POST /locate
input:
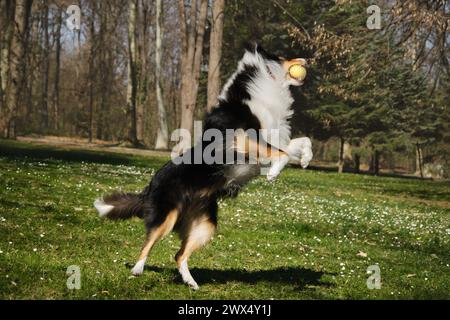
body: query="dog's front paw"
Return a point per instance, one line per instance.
(272, 176)
(301, 149)
(277, 165)
(306, 158)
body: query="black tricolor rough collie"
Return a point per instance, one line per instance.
(183, 197)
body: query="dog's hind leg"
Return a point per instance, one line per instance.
(153, 235)
(200, 232)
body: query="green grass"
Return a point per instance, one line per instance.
(304, 237)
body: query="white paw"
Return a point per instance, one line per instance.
(193, 285)
(272, 177)
(273, 173)
(306, 158)
(277, 166)
(138, 269)
(186, 275)
(301, 149)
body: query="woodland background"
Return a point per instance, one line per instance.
(136, 70)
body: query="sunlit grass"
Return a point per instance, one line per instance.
(309, 235)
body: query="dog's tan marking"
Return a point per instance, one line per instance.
(159, 232)
(199, 234)
(251, 147)
(206, 193)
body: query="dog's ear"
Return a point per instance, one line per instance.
(251, 46)
(255, 47)
(266, 55)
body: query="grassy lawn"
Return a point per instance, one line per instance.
(309, 235)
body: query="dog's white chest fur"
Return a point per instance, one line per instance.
(272, 106)
(270, 100)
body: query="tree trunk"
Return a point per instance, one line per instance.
(45, 68)
(375, 162)
(357, 162)
(91, 103)
(16, 65)
(132, 80)
(341, 156)
(198, 50)
(192, 45)
(419, 161)
(162, 138)
(6, 33)
(91, 80)
(141, 74)
(79, 85)
(215, 53)
(30, 79)
(104, 68)
(55, 107)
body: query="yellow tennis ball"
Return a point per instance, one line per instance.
(297, 71)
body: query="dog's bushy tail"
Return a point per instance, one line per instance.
(120, 206)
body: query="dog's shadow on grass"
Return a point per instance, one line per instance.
(299, 277)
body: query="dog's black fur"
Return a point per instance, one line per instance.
(194, 189)
(178, 186)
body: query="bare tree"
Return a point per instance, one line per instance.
(45, 64)
(6, 32)
(55, 99)
(162, 137)
(78, 86)
(341, 155)
(104, 12)
(91, 75)
(141, 66)
(215, 52)
(192, 35)
(132, 77)
(16, 65)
